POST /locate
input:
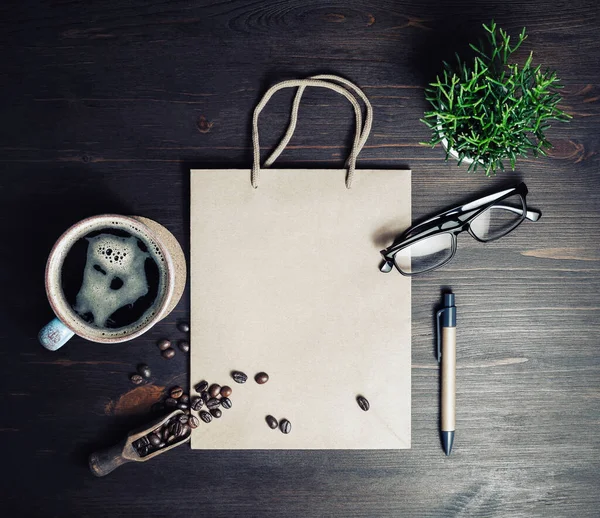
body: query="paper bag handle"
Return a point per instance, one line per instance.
(322, 81)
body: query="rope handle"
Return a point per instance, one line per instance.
(346, 88)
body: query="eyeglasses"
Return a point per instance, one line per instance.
(432, 243)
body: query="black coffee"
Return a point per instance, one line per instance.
(111, 278)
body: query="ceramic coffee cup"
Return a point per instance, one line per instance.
(110, 278)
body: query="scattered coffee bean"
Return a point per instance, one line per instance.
(196, 403)
(170, 402)
(239, 377)
(216, 412)
(167, 354)
(213, 403)
(183, 406)
(144, 370)
(363, 403)
(201, 387)
(272, 422)
(205, 416)
(261, 378)
(214, 390)
(193, 422)
(226, 403)
(205, 396)
(285, 426)
(176, 392)
(155, 439)
(164, 344)
(136, 379)
(226, 391)
(184, 398)
(184, 327)
(184, 346)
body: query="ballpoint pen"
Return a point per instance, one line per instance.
(446, 352)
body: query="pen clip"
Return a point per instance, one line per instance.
(439, 335)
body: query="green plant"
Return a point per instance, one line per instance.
(490, 110)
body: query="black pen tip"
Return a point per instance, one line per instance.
(447, 441)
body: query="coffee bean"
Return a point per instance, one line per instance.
(185, 430)
(205, 416)
(196, 403)
(171, 439)
(144, 370)
(239, 377)
(155, 440)
(166, 433)
(183, 418)
(170, 402)
(285, 426)
(226, 391)
(183, 406)
(184, 346)
(201, 387)
(226, 403)
(213, 403)
(193, 422)
(167, 354)
(162, 445)
(184, 327)
(261, 378)
(176, 392)
(143, 451)
(216, 412)
(175, 428)
(363, 403)
(205, 396)
(184, 398)
(214, 390)
(164, 344)
(137, 444)
(272, 422)
(136, 379)
(143, 441)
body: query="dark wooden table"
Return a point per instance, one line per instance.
(105, 108)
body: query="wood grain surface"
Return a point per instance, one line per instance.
(105, 108)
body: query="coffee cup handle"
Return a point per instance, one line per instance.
(54, 335)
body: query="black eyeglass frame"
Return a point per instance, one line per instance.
(455, 221)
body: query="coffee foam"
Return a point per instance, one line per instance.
(91, 294)
(113, 277)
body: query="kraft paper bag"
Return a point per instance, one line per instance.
(285, 280)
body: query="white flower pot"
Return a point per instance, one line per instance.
(454, 154)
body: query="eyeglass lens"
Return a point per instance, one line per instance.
(499, 219)
(425, 254)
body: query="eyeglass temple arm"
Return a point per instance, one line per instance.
(531, 215)
(468, 207)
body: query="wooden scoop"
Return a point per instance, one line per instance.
(104, 461)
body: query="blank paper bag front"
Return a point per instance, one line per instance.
(285, 280)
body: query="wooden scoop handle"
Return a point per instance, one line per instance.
(104, 461)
